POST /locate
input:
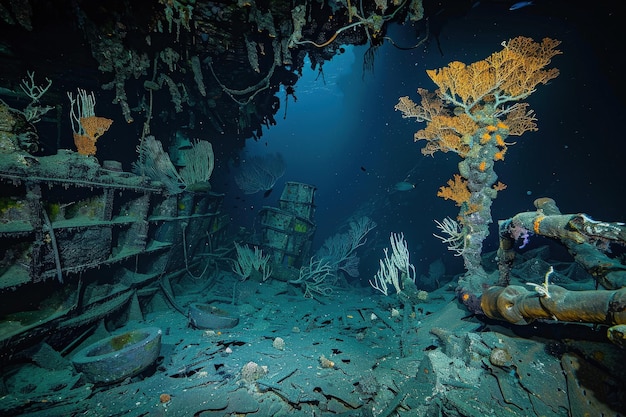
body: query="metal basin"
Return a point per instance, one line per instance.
(206, 316)
(118, 357)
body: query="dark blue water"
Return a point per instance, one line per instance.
(344, 137)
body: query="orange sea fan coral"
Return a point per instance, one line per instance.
(468, 82)
(519, 66)
(445, 133)
(521, 120)
(408, 107)
(430, 106)
(456, 190)
(508, 75)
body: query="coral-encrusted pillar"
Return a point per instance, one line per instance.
(474, 109)
(475, 214)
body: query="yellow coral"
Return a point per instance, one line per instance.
(456, 190)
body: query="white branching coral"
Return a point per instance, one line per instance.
(317, 277)
(455, 239)
(35, 111)
(199, 162)
(338, 253)
(395, 267)
(250, 261)
(542, 289)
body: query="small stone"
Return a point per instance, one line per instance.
(279, 343)
(252, 371)
(325, 362)
(500, 357)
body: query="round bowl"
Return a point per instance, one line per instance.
(206, 316)
(119, 357)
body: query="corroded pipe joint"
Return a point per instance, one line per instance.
(510, 304)
(578, 306)
(518, 305)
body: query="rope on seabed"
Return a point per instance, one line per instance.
(184, 227)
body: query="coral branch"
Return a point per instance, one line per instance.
(456, 190)
(509, 75)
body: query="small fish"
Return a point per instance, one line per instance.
(521, 4)
(403, 186)
(363, 169)
(267, 193)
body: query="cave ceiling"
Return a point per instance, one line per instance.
(219, 69)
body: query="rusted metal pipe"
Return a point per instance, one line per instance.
(519, 305)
